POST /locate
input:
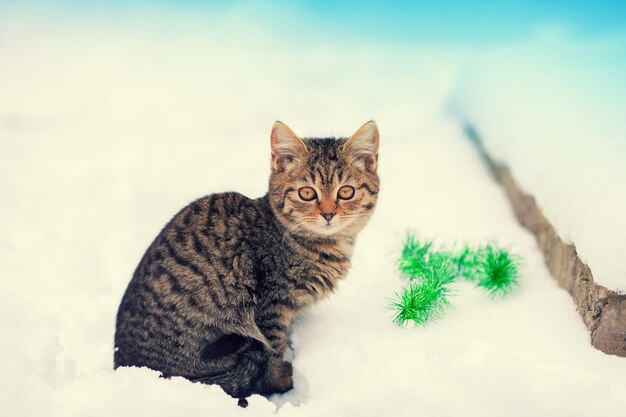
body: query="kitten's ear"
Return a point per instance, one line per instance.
(363, 145)
(286, 146)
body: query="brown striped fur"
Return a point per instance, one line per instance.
(214, 295)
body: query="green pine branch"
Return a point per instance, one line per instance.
(431, 272)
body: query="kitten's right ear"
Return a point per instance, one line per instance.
(286, 146)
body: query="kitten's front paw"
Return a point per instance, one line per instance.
(284, 380)
(281, 377)
(286, 371)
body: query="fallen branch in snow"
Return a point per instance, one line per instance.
(602, 310)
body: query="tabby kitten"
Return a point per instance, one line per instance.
(215, 293)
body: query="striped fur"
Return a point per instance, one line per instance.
(214, 295)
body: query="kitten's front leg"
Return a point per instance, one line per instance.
(279, 374)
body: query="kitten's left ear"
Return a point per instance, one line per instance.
(363, 145)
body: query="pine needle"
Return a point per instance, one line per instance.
(415, 259)
(499, 271)
(421, 302)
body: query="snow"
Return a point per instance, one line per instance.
(105, 133)
(559, 125)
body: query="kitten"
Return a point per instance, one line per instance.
(215, 293)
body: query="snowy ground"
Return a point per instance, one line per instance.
(105, 134)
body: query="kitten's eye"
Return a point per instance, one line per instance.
(307, 193)
(346, 192)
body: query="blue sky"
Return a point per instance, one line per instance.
(428, 20)
(478, 20)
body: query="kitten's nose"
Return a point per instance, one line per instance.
(328, 216)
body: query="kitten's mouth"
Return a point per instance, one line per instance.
(329, 227)
(325, 227)
(331, 224)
